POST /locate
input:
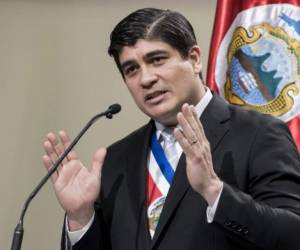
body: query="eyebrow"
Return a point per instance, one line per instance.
(146, 57)
(155, 53)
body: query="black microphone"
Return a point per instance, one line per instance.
(19, 231)
(113, 109)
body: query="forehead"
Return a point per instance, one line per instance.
(142, 48)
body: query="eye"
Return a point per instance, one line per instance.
(158, 60)
(130, 70)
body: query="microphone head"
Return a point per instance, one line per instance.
(114, 108)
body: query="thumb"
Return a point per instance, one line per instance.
(98, 160)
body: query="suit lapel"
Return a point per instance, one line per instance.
(137, 176)
(215, 123)
(176, 193)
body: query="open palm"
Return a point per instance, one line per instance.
(76, 186)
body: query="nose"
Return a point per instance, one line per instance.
(148, 77)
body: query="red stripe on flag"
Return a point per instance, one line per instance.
(294, 126)
(152, 190)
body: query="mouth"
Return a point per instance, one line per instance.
(155, 96)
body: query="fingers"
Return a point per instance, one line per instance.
(53, 151)
(191, 131)
(54, 147)
(188, 124)
(98, 161)
(66, 141)
(182, 140)
(48, 164)
(192, 118)
(198, 128)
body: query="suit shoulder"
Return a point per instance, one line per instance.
(260, 127)
(127, 141)
(120, 152)
(251, 118)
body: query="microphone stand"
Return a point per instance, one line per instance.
(19, 231)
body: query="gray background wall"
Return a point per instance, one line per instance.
(55, 74)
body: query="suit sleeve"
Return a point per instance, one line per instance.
(266, 214)
(94, 239)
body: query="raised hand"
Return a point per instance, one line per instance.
(196, 147)
(76, 187)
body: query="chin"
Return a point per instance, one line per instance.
(164, 112)
(167, 118)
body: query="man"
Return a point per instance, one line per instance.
(232, 180)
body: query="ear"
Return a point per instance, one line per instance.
(195, 59)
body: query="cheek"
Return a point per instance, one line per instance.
(136, 93)
(176, 71)
(179, 79)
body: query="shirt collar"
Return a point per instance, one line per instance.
(200, 107)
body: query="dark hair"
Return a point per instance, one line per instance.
(152, 24)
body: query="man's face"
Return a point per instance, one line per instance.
(160, 80)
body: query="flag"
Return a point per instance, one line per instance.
(254, 59)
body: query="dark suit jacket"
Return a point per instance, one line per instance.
(259, 207)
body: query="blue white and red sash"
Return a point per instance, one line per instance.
(160, 177)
